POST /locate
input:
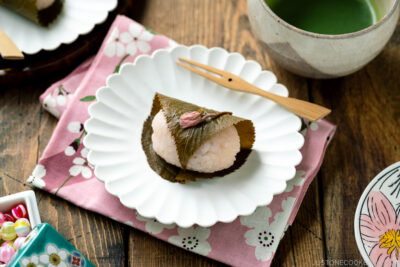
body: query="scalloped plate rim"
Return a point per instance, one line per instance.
(32, 51)
(169, 50)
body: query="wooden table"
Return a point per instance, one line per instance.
(366, 108)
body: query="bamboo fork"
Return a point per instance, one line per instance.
(8, 49)
(302, 108)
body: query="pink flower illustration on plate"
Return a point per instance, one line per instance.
(380, 230)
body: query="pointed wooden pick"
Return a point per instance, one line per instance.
(8, 49)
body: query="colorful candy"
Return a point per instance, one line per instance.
(18, 242)
(8, 231)
(19, 211)
(6, 217)
(11, 243)
(14, 227)
(22, 227)
(6, 252)
(9, 217)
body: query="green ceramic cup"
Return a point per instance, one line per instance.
(322, 55)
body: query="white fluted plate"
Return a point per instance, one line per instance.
(115, 128)
(76, 18)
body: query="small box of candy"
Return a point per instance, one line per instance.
(18, 214)
(44, 246)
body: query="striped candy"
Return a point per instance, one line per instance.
(18, 242)
(8, 231)
(19, 211)
(11, 243)
(22, 227)
(6, 252)
(6, 217)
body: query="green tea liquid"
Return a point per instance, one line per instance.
(326, 16)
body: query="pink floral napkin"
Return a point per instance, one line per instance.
(64, 170)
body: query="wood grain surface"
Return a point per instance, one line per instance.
(366, 108)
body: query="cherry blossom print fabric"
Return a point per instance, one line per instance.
(64, 170)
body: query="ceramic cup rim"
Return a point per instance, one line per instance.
(330, 36)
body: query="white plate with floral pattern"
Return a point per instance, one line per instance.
(77, 17)
(115, 128)
(377, 219)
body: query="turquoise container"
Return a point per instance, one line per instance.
(44, 246)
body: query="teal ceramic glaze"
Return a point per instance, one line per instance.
(44, 245)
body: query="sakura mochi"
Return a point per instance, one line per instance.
(217, 153)
(183, 141)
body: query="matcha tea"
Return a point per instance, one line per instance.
(326, 16)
